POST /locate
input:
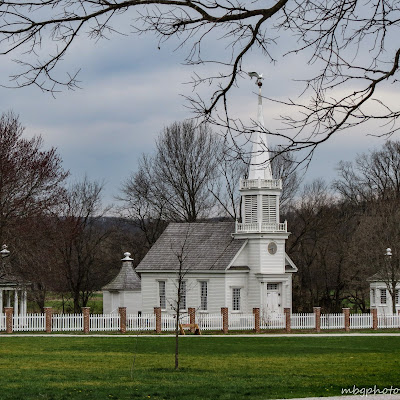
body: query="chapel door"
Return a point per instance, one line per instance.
(273, 298)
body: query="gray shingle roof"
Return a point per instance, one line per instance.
(127, 279)
(204, 247)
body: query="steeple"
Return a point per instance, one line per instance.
(260, 191)
(260, 166)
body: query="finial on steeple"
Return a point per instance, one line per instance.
(260, 166)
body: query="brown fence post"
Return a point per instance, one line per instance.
(256, 312)
(225, 322)
(346, 312)
(86, 321)
(192, 317)
(374, 313)
(317, 312)
(9, 319)
(157, 312)
(48, 311)
(122, 319)
(287, 318)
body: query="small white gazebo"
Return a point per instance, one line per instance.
(124, 290)
(13, 289)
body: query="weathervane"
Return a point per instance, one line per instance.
(259, 78)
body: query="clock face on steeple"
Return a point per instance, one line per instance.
(272, 248)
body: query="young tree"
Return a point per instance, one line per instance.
(344, 88)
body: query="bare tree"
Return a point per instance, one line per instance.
(30, 178)
(344, 90)
(174, 183)
(81, 241)
(373, 176)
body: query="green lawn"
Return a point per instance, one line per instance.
(211, 368)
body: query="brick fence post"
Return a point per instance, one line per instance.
(48, 312)
(86, 321)
(374, 313)
(317, 312)
(122, 319)
(157, 312)
(225, 322)
(287, 320)
(256, 312)
(192, 317)
(9, 319)
(346, 312)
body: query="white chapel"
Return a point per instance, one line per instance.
(239, 265)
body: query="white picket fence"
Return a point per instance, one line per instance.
(272, 321)
(239, 322)
(147, 322)
(67, 322)
(360, 321)
(144, 322)
(388, 321)
(209, 322)
(29, 322)
(104, 322)
(302, 321)
(332, 321)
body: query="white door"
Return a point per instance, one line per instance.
(272, 300)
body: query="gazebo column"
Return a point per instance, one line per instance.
(24, 302)
(16, 302)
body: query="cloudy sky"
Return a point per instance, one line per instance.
(131, 89)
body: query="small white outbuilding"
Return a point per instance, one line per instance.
(124, 290)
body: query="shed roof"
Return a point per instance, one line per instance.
(204, 246)
(127, 279)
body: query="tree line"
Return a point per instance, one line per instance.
(63, 239)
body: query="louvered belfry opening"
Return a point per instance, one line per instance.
(250, 209)
(269, 208)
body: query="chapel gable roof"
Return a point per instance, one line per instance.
(204, 247)
(127, 279)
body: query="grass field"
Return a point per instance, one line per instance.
(211, 368)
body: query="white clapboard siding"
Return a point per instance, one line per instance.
(104, 322)
(360, 321)
(144, 322)
(332, 321)
(388, 321)
(241, 322)
(209, 322)
(29, 322)
(302, 321)
(67, 322)
(273, 321)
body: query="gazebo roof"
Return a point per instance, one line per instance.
(127, 278)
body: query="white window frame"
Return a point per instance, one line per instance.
(162, 298)
(236, 300)
(383, 295)
(183, 296)
(373, 298)
(397, 296)
(203, 296)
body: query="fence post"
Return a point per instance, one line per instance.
(157, 312)
(122, 319)
(48, 311)
(374, 313)
(317, 312)
(225, 322)
(86, 316)
(256, 312)
(9, 319)
(192, 317)
(287, 320)
(346, 312)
